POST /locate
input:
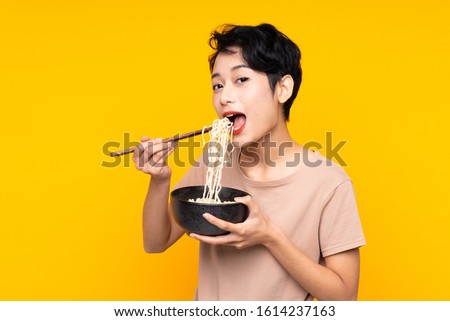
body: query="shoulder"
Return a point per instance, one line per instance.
(324, 169)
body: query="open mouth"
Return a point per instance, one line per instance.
(238, 120)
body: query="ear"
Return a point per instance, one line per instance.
(285, 88)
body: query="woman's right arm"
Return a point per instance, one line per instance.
(160, 231)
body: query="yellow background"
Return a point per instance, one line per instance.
(75, 75)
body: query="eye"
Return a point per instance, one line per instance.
(241, 80)
(217, 87)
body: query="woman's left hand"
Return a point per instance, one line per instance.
(256, 229)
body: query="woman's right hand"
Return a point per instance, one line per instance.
(150, 157)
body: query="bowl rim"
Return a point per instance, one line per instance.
(208, 204)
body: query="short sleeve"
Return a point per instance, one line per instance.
(340, 226)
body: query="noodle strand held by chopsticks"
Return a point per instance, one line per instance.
(221, 135)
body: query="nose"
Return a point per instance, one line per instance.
(227, 95)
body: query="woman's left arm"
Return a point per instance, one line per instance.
(337, 279)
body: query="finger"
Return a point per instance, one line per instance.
(171, 149)
(159, 147)
(214, 240)
(138, 150)
(247, 200)
(159, 159)
(224, 225)
(145, 150)
(137, 155)
(145, 156)
(157, 164)
(145, 144)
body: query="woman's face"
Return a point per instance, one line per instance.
(241, 91)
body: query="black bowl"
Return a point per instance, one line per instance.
(189, 215)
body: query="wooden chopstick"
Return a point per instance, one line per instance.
(165, 140)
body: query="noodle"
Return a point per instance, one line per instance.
(220, 136)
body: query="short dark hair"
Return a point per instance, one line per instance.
(265, 49)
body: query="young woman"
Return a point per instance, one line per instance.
(303, 232)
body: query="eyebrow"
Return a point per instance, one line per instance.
(232, 69)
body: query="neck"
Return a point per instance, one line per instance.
(268, 156)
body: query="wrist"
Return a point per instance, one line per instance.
(160, 181)
(274, 238)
